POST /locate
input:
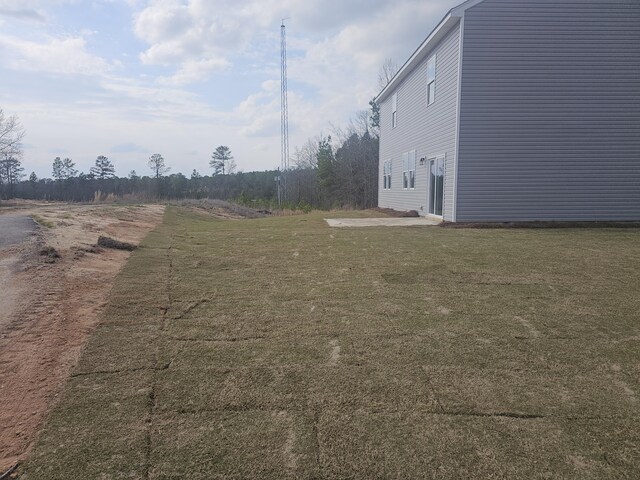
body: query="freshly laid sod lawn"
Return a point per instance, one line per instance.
(282, 348)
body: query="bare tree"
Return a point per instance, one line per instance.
(360, 122)
(306, 156)
(358, 125)
(387, 71)
(157, 165)
(11, 136)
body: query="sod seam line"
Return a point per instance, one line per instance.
(445, 413)
(153, 404)
(316, 440)
(189, 308)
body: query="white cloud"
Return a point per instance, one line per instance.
(178, 32)
(55, 55)
(162, 22)
(193, 71)
(343, 43)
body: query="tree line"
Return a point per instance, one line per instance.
(329, 171)
(333, 171)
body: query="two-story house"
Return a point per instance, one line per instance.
(516, 110)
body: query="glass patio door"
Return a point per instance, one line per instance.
(436, 186)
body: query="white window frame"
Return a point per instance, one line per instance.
(431, 194)
(409, 170)
(412, 170)
(394, 110)
(431, 96)
(386, 175)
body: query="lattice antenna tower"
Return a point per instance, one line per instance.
(284, 107)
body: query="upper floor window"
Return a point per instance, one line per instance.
(386, 175)
(409, 170)
(394, 110)
(431, 80)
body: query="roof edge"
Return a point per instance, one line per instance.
(449, 20)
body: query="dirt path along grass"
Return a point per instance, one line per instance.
(282, 348)
(50, 304)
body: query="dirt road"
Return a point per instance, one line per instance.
(15, 229)
(50, 303)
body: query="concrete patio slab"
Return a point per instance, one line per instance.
(382, 222)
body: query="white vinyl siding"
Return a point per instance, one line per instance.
(431, 80)
(430, 131)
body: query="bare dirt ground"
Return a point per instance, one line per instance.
(49, 305)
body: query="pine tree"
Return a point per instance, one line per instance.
(222, 161)
(326, 165)
(11, 171)
(57, 171)
(157, 165)
(103, 168)
(68, 167)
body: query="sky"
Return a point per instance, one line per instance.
(129, 78)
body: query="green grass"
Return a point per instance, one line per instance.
(281, 348)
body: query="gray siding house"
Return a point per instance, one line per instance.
(516, 110)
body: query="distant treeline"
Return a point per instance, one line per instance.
(84, 188)
(326, 174)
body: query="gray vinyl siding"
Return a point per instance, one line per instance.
(550, 111)
(431, 131)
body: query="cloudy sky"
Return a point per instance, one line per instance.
(128, 78)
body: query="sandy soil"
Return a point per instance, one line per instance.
(47, 309)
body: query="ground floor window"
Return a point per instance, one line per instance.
(409, 170)
(436, 185)
(386, 175)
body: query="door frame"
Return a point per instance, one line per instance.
(430, 199)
